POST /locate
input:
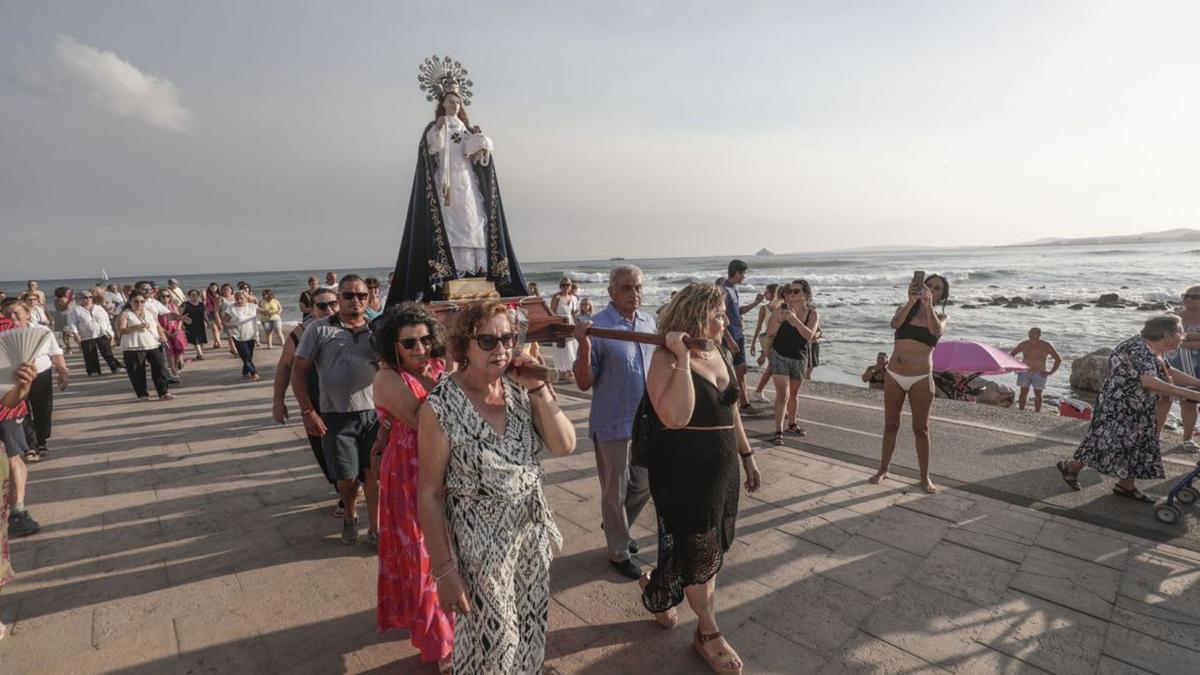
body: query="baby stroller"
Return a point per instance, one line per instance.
(957, 386)
(1184, 493)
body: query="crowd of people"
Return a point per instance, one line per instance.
(440, 427)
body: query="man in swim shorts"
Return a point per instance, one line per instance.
(1034, 352)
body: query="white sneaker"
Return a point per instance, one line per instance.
(1190, 445)
(760, 397)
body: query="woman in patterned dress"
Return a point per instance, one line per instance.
(407, 341)
(1122, 440)
(487, 526)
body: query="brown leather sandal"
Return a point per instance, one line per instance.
(721, 663)
(666, 619)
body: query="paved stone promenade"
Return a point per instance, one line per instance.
(196, 537)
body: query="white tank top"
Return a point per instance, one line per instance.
(143, 339)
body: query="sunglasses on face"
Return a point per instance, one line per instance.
(332, 304)
(488, 342)
(411, 343)
(351, 295)
(1191, 296)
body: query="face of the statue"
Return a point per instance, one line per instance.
(451, 105)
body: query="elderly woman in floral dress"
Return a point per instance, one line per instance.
(1122, 440)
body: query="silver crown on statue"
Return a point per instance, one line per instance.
(440, 75)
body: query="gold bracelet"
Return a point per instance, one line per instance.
(685, 370)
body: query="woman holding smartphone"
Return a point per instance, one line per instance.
(909, 372)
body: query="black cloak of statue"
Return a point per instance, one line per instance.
(425, 263)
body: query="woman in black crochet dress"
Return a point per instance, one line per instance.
(693, 462)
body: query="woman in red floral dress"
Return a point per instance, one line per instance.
(407, 341)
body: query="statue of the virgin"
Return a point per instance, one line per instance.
(455, 226)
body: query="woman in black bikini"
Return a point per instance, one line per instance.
(910, 372)
(790, 330)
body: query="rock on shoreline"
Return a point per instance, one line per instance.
(1088, 372)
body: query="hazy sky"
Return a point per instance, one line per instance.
(157, 137)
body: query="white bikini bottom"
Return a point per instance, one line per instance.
(906, 382)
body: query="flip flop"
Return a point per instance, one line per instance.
(796, 429)
(1071, 479)
(1134, 494)
(777, 438)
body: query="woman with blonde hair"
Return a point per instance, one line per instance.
(694, 438)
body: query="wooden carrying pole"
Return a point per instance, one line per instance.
(563, 331)
(542, 325)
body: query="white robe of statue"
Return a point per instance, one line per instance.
(464, 212)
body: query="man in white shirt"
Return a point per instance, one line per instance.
(114, 300)
(90, 323)
(41, 395)
(176, 292)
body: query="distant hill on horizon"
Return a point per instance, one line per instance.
(1183, 234)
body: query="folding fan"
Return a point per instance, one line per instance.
(18, 347)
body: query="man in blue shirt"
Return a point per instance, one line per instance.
(737, 274)
(616, 372)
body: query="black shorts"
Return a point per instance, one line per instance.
(347, 443)
(739, 359)
(12, 434)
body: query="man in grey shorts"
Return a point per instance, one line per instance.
(1035, 352)
(339, 347)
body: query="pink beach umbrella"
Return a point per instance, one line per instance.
(969, 356)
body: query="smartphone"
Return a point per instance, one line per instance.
(918, 280)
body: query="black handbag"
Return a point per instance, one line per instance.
(646, 426)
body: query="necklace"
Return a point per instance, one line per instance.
(705, 355)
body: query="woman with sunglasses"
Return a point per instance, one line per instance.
(487, 527)
(566, 305)
(1186, 360)
(409, 349)
(141, 337)
(242, 319)
(791, 329)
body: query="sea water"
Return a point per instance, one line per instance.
(857, 292)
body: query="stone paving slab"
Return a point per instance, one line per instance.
(197, 537)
